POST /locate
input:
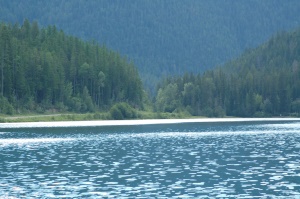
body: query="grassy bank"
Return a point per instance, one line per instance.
(85, 117)
(53, 117)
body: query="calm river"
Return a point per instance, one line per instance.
(244, 159)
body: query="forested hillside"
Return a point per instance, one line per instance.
(42, 69)
(262, 82)
(164, 37)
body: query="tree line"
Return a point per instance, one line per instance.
(263, 82)
(43, 68)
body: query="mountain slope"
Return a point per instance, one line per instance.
(264, 81)
(44, 69)
(164, 37)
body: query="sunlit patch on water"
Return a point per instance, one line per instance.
(172, 161)
(24, 141)
(284, 126)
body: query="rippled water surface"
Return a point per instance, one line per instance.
(190, 160)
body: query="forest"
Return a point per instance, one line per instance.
(163, 37)
(45, 69)
(264, 81)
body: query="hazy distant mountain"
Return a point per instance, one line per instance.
(164, 36)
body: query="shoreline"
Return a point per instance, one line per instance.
(135, 122)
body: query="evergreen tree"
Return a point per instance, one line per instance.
(43, 69)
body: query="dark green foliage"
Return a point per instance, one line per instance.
(44, 69)
(296, 106)
(116, 113)
(5, 106)
(263, 82)
(122, 111)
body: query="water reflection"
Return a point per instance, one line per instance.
(179, 161)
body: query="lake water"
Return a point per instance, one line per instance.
(244, 159)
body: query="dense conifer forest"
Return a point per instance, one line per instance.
(164, 37)
(263, 82)
(43, 69)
